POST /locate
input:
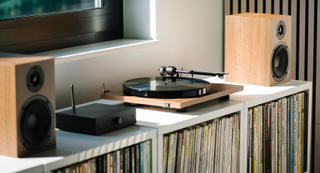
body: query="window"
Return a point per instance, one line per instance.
(30, 26)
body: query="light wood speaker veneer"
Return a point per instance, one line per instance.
(250, 39)
(14, 93)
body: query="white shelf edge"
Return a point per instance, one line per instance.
(97, 49)
(200, 119)
(69, 160)
(100, 150)
(36, 169)
(248, 104)
(154, 153)
(271, 97)
(309, 129)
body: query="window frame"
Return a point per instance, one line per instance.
(61, 30)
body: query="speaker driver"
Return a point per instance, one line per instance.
(280, 61)
(35, 78)
(281, 30)
(35, 122)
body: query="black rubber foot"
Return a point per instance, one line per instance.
(182, 110)
(227, 97)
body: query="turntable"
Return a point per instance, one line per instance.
(171, 90)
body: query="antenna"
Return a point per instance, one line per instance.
(72, 98)
(99, 118)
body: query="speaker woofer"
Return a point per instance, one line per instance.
(35, 122)
(280, 61)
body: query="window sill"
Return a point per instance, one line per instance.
(97, 49)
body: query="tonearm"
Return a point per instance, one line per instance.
(172, 70)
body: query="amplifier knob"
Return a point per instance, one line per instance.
(120, 120)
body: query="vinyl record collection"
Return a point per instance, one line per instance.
(209, 147)
(132, 159)
(277, 136)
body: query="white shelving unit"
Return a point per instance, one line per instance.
(74, 147)
(169, 121)
(152, 124)
(256, 95)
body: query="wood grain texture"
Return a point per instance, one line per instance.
(294, 46)
(216, 91)
(20, 61)
(311, 34)
(8, 131)
(260, 15)
(302, 40)
(16, 93)
(249, 41)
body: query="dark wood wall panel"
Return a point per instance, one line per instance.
(252, 4)
(305, 49)
(317, 151)
(310, 36)
(276, 7)
(227, 7)
(260, 6)
(268, 6)
(243, 6)
(317, 67)
(235, 6)
(301, 40)
(294, 47)
(285, 5)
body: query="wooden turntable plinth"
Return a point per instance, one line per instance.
(217, 90)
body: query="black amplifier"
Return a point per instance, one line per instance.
(96, 119)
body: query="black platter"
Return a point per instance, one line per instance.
(166, 87)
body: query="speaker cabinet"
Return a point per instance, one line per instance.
(27, 105)
(257, 48)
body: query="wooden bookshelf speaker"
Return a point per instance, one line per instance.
(257, 48)
(27, 105)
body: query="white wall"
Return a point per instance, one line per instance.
(190, 34)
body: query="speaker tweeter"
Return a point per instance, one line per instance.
(281, 30)
(35, 78)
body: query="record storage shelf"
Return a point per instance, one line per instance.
(153, 123)
(257, 95)
(73, 148)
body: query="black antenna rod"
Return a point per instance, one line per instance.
(72, 97)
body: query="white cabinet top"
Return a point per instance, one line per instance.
(151, 123)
